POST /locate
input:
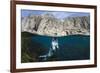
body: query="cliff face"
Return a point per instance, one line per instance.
(49, 25)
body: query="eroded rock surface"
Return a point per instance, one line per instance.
(49, 25)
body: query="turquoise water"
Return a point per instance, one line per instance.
(73, 47)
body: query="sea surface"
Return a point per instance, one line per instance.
(72, 47)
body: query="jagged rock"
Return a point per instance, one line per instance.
(49, 25)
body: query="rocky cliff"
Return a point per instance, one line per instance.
(49, 25)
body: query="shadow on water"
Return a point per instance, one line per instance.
(73, 47)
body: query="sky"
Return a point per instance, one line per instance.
(57, 14)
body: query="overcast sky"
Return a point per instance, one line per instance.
(57, 14)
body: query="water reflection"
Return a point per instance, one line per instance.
(54, 47)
